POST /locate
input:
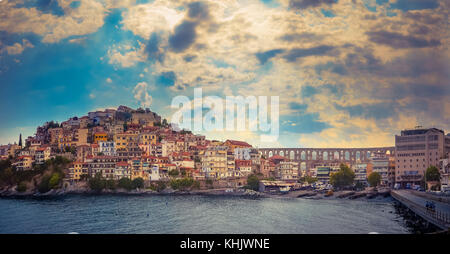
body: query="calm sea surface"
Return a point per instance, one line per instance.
(197, 214)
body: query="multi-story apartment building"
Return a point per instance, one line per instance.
(23, 163)
(148, 138)
(287, 170)
(107, 148)
(323, 174)
(391, 172)
(81, 136)
(360, 170)
(54, 135)
(122, 170)
(444, 170)
(243, 168)
(102, 164)
(42, 154)
(77, 169)
(379, 162)
(83, 152)
(214, 162)
(127, 145)
(249, 153)
(415, 151)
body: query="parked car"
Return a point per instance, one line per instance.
(430, 206)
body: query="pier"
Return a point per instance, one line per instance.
(416, 202)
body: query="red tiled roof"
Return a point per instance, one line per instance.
(277, 157)
(238, 143)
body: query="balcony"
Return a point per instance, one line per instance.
(411, 177)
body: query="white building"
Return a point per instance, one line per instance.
(108, 148)
(444, 170)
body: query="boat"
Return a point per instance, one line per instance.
(285, 190)
(329, 193)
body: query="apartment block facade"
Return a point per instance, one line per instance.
(415, 151)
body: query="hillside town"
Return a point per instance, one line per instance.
(125, 143)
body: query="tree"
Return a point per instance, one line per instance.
(308, 179)
(174, 172)
(432, 174)
(22, 187)
(97, 183)
(181, 184)
(54, 181)
(159, 186)
(110, 184)
(343, 178)
(125, 183)
(374, 179)
(253, 182)
(43, 185)
(138, 183)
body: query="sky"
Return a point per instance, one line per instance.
(348, 73)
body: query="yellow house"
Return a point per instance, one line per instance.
(123, 140)
(76, 170)
(147, 139)
(139, 169)
(24, 163)
(214, 162)
(100, 136)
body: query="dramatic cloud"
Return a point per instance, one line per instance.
(348, 73)
(397, 40)
(183, 37)
(141, 94)
(303, 4)
(18, 48)
(85, 19)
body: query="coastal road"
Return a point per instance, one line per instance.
(410, 195)
(440, 217)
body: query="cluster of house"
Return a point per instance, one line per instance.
(131, 143)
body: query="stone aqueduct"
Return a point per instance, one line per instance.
(308, 157)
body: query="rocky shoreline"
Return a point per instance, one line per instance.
(12, 193)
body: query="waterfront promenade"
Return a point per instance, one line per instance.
(417, 203)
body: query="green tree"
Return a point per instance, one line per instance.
(308, 179)
(174, 172)
(22, 187)
(4, 164)
(138, 183)
(125, 183)
(43, 185)
(343, 178)
(20, 140)
(374, 179)
(432, 174)
(159, 186)
(54, 181)
(181, 184)
(253, 182)
(110, 184)
(97, 183)
(196, 185)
